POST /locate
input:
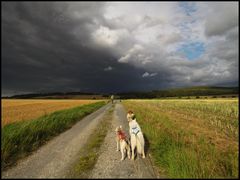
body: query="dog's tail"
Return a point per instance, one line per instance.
(140, 143)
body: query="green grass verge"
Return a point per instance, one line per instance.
(89, 155)
(181, 158)
(21, 138)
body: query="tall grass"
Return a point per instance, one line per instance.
(20, 138)
(178, 148)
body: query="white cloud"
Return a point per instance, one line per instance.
(109, 68)
(108, 37)
(124, 59)
(146, 74)
(169, 38)
(133, 54)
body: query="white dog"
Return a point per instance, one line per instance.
(123, 142)
(136, 135)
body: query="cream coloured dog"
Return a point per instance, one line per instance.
(136, 135)
(123, 142)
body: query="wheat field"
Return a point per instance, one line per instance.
(22, 109)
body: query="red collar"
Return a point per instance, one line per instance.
(121, 135)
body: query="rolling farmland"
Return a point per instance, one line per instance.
(21, 109)
(191, 138)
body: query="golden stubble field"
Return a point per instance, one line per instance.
(22, 109)
(191, 138)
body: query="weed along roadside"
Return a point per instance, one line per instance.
(183, 141)
(21, 138)
(89, 155)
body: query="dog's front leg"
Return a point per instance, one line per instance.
(133, 155)
(129, 152)
(133, 145)
(123, 154)
(117, 145)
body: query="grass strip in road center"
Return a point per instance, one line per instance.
(89, 155)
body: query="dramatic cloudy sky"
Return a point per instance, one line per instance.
(118, 46)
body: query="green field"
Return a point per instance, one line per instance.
(191, 138)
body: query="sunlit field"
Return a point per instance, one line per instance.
(21, 138)
(18, 109)
(191, 138)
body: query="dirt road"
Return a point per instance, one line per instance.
(109, 164)
(53, 159)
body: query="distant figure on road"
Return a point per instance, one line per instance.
(112, 98)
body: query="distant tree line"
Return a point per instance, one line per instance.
(181, 92)
(178, 92)
(35, 95)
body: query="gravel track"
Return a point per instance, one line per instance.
(109, 164)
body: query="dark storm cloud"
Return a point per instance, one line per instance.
(46, 48)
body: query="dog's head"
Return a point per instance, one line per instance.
(131, 116)
(130, 112)
(119, 128)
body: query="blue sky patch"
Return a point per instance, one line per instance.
(188, 7)
(192, 50)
